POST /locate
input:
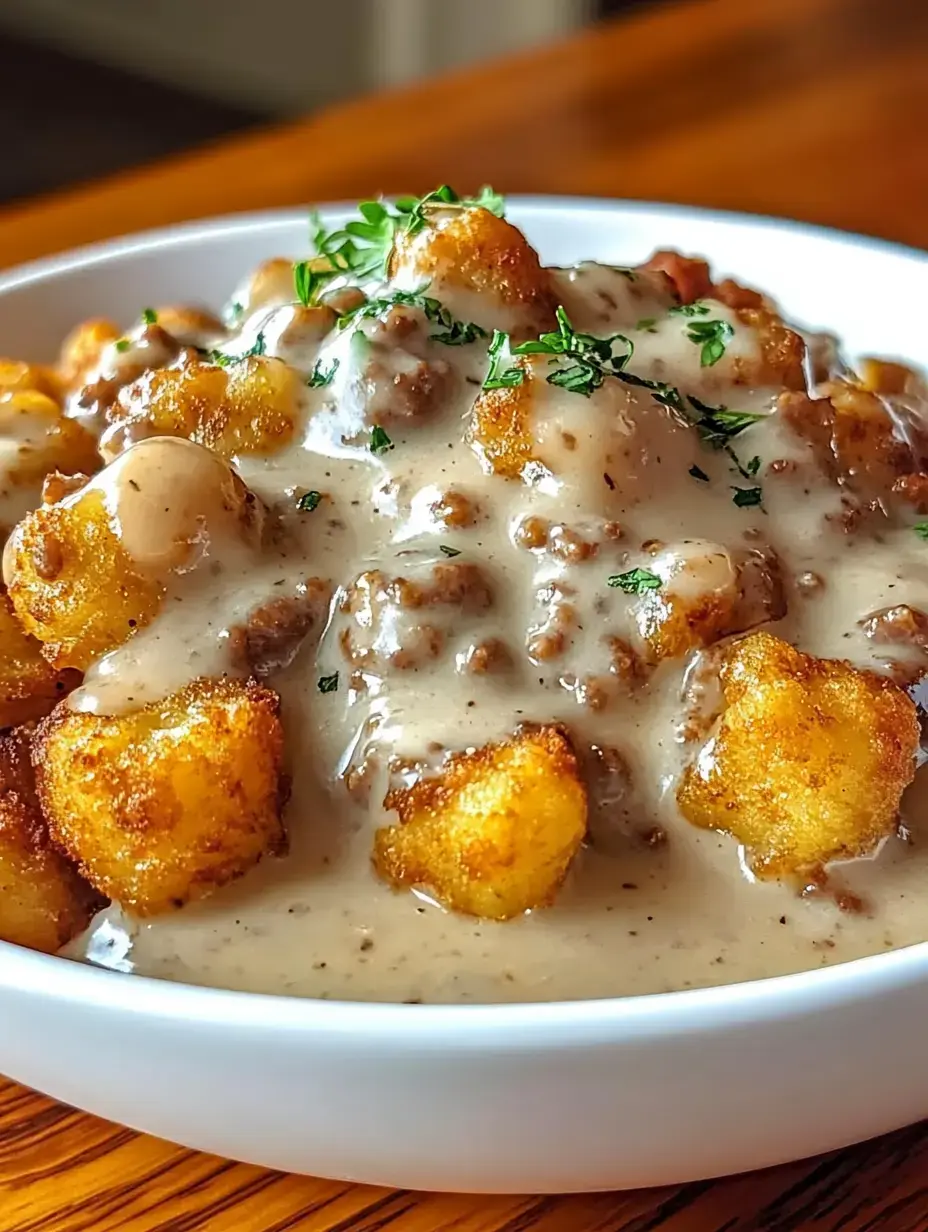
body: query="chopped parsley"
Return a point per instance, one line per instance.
(362, 247)
(320, 376)
(448, 551)
(327, 684)
(149, 316)
(451, 331)
(499, 376)
(921, 529)
(308, 501)
(744, 498)
(647, 324)
(698, 473)
(309, 279)
(380, 441)
(711, 337)
(635, 581)
(689, 310)
(581, 361)
(259, 347)
(717, 425)
(122, 345)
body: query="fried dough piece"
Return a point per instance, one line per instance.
(43, 901)
(248, 407)
(84, 575)
(493, 834)
(29, 685)
(161, 806)
(471, 250)
(809, 761)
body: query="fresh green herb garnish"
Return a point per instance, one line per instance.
(753, 466)
(327, 684)
(698, 473)
(712, 337)
(745, 497)
(223, 360)
(235, 313)
(688, 310)
(380, 441)
(322, 376)
(647, 323)
(499, 376)
(451, 332)
(308, 501)
(309, 280)
(363, 247)
(921, 529)
(589, 360)
(446, 551)
(717, 425)
(635, 581)
(149, 316)
(122, 345)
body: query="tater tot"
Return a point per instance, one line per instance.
(43, 900)
(82, 349)
(500, 429)
(165, 804)
(29, 685)
(493, 834)
(809, 761)
(249, 407)
(486, 258)
(16, 376)
(86, 574)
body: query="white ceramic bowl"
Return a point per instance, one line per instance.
(540, 1098)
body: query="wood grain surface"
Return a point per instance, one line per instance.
(814, 109)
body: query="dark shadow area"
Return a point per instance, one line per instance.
(65, 119)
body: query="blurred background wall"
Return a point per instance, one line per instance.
(91, 87)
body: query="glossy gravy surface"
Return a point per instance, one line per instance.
(651, 903)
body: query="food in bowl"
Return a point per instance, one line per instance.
(434, 625)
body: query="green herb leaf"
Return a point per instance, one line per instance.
(320, 376)
(499, 376)
(635, 581)
(688, 310)
(309, 280)
(698, 473)
(122, 345)
(308, 501)
(712, 337)
(327, 684)
(149, 316)
(717, 425)
(921, 529)
(647, 323)
(223, 360)
(744, 498)
(753, 466)
(446, 551)
(591, 359)
(451, 331)
(380, 441)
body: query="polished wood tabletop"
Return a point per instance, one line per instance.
(811, 109)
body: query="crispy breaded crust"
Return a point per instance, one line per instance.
(500, 430)
(29, 685)
(43, 901)
(809, 761)
(163, 805)
(493, 834)
(73, 585)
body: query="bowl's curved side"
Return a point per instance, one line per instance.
(591, 1096)
(510, 1098)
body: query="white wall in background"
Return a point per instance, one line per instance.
(287, 55)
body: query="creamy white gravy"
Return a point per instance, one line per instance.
(636, 914)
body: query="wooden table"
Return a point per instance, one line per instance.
(817, 109)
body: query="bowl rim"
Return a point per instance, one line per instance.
(512, 1024)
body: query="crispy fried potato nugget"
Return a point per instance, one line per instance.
(500, 430)
(82, 349)
(249, 407)
(29, 685)
(16, 376)
(494, 833)
(43, 901)
(809, 761)
(474, 251)
(164, 805)
(73, 584)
